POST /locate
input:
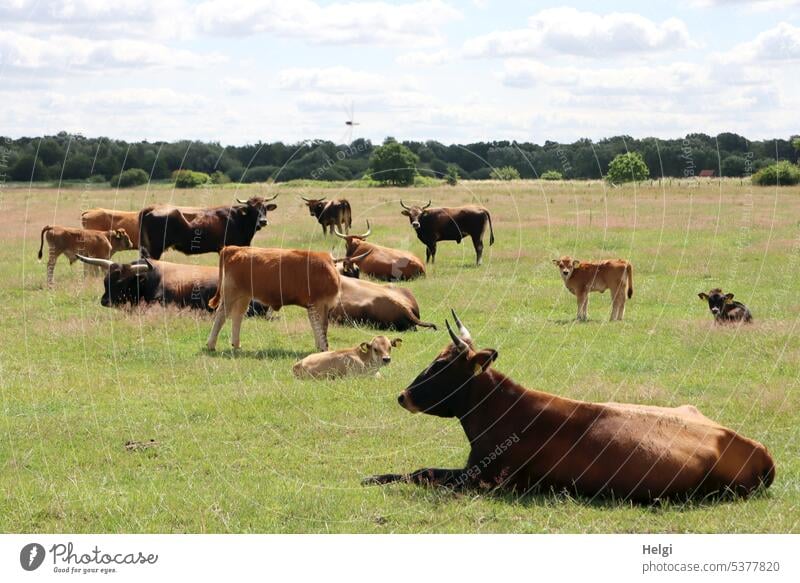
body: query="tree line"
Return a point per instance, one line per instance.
(75, 157)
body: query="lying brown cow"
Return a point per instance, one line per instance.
(365, 359)
(382, 262)
(71, 242)
(522, 439)
(276, 278)
(382, 306)
(582, 277)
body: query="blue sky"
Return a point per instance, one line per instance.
(238, 72)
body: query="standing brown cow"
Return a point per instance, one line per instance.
(449, 224)
(71, 242)
(583, 277)
(100, 219)
(330, 214)
(382, 262)
(522, 439)
(275, 278)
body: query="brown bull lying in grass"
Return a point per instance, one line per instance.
(365, 359)
(523, 439)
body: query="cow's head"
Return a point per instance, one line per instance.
(716, 300)
(315, 205)
(349, 265)
(378, 351)
(566, 265)
(123, 281)
(119, 239)
(353, 241)
(256, 207)
(441, 388)
(414, 213)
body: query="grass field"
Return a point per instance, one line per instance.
(244, 447)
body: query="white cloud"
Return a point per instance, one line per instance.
(376, 23)
(572, 32)
(237, 87)
(339, 80)
(781, 43)
(755, 5)
(426, 58)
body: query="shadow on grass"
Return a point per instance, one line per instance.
(264, 354)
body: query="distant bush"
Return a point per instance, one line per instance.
(190, 178)
(628, 167)
(259, 174)
(552, 175)
(480, 174)
(504, 173)
(426, 181)
(451, 176)
(219, 178)
(734, 166)
(96, 179)
(235, 173)
(130, 177)
(781, 174)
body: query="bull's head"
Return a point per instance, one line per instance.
(353, 241)
(716, 300)
(315, 205)
(566, 265)
(349, 265)
(414, 213)
(124, 282)
(256, 206)
(441, 389)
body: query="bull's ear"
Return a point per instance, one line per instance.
(728, 298)
(482, 360)
(555, 261)
(405, 213)
(397, 342)
(703, 296)
(271, 207)
(575, 263)
(364, 347)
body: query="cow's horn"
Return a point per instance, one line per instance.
(271, 198)
(357, 258)
(104, 263)
(305, 199)
(403, 205)
(141, 268)
(369, 231)
(240, 201)
(459, 343)
(461, 328)
(338, 234)
(427, 205)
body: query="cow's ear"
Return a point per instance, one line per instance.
(703, 296)
(406, 213)
(482, 360)
(555, 261)
(364, 347)
(397, 342)
(728, 298)
(272, 207)
(575, 263)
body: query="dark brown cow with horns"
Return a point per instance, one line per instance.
(522, 439)
(330, 214)
(449, 224)
(165, 226)
(381, 262)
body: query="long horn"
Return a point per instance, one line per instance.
(141, 268)
(240, 201)
(403, 205)
(338, 234)
(427, 205)
(459, 343)
(272, 198)
(305, 199)
(104, 263)
(351, 259)
(369, 231)
(461, 328)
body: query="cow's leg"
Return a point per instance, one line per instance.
(237, 311)
(219, 321)
(583, 304)
(478, 243)
(456, 478)
(430, 253)
(318, 318)
(618, 302)
(51, 265)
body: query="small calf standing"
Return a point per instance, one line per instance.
(364, 359)
(582, 277)
(724, 308)
(71, 242)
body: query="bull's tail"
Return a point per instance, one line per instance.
(418, 322)
(629, 271)
(491, 231)
(41, 239)
(144, 240)
(349, 214)
(214, 302)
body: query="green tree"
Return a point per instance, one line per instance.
(504, 173)
(783, 173)
(393, 163)
(451, 176)
(735, 166)
(130, 177)
(628, 167)
(552, 175)
(190, 179)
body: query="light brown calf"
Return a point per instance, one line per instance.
(71, 242)
(582, 277)
(365, 359)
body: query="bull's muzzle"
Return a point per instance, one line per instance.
(387, 359)
(263, 222)
(415, 224)
(405, 402)
(104, 301)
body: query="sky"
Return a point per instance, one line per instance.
(457, 72)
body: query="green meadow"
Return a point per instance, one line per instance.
(242, 446)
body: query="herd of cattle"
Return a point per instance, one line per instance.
(520, 438)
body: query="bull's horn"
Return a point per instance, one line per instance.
(338, 234)
(461, 328)
(271, 198)
(240, 201)
(357, 258)
(104, 263)
(459, 343)
(403, 205)
(305, 199)
(141, 268)
(427, 205)
(369, 231)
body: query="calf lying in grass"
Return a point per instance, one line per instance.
(724, 308)
(365, 359)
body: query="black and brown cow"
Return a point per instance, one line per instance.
(381, 262)
(330, 214)
(523, 440)
(724, 308)
(449, 224)
(165, 226)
